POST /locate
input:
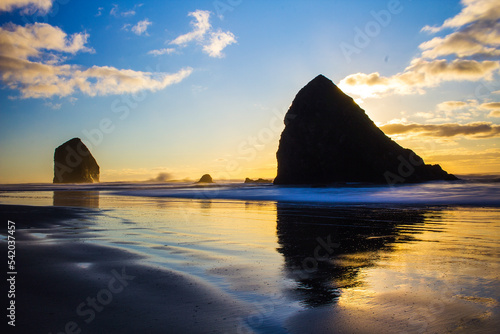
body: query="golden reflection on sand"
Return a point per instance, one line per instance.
(444, 280)
(351, 269)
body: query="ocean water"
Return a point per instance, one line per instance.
(475, 193)
(438, 193)
(366, 259)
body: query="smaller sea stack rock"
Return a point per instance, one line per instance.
(206, 179)
(73, 163)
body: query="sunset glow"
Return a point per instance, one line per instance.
(181, 89)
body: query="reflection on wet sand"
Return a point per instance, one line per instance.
(205, 204)
(87, 199)
(429, 270)
(306, 268)
(325, 248)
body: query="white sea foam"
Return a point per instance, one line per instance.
(435, 193)
(432, 193)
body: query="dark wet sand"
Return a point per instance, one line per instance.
(54, 279)
(68, 283)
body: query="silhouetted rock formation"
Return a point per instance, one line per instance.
(73, 163)
(206, 179)
(247, 180)
(328, 138)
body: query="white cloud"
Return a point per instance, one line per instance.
(419, 75)
(483, 41)
(128, 13)
(218, 42)
(115, 11)
(31, 41)
(200, 25)
(478, 32)
(477, 37)
(453, 111)
(459, 110)
(109, 80)
(474, 10)
(212, 42)
(31, 62)
(141, 27)
(29, 5)
(424, 115)
(54, 106)
(162, 51)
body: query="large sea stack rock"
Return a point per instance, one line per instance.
(328, 139)
(73, 163)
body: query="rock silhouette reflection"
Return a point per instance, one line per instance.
(86, 199)
(326, 248)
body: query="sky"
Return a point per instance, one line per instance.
(176, 89)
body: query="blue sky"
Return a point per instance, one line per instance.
(194, 87)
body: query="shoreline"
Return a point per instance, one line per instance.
(73, 285)
(73, 279)
(453, 193)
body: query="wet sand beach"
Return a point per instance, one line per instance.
(65, 284)
(124, 264)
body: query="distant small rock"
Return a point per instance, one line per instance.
(73, 163)
(248, 180)
(206, 179)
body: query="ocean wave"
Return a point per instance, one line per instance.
(435, 193)
(480, 193)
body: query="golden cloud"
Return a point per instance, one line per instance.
(475, 130)
(493, 107)
(476, 37)
(31, 57)
(420, 74)
(42, 5)
(456, 105)
(490, 106)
